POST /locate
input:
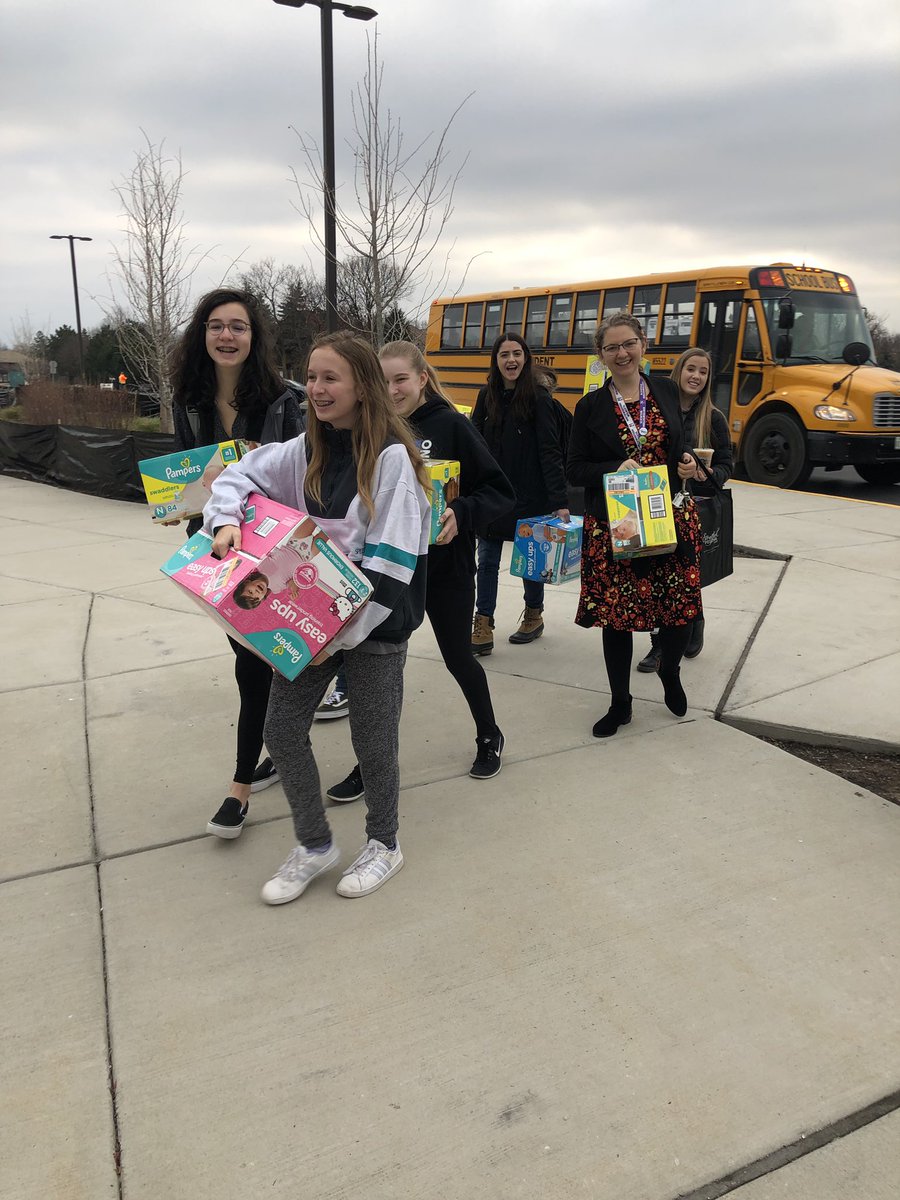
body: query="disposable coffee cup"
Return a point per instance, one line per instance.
(705, 454)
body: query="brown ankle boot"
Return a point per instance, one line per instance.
(482, 635)
(531, 626)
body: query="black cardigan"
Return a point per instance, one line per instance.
(531, 458)
(596, 448)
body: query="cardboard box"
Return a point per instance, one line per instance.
(444, 488)
(547, 549)
(173, 483)
(639, 506)
(284, 595)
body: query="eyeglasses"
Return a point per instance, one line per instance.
(629, 345)
(235, 327)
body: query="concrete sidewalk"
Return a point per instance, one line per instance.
(636, 969)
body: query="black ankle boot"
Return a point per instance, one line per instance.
(619, 714)
(695, 641)
(676, 700)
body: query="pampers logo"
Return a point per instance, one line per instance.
(284, 645)
(184, 470)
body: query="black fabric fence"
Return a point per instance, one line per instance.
(102, 462)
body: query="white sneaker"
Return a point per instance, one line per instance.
(375, 865)
(298, 870)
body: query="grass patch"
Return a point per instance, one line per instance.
(144, 425)
(12, 412)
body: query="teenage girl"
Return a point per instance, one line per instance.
(484, 494)
(227, 386)
(704, 426)
(358, 473)
(516, 416)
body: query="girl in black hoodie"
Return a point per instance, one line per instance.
(485, 495)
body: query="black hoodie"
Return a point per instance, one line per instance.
(485, 493)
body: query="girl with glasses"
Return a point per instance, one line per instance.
(226, 385)
(630, 422)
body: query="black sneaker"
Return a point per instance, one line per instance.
(264, 776)
(348, 789)
(229, 820)
(487, 762)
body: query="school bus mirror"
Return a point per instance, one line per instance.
(855, 353)
(786, 314)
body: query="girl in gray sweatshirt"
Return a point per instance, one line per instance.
(357, 473)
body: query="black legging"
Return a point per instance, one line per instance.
(254, 678)
(450, 612)
(617, 652)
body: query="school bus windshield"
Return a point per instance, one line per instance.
(823, 325)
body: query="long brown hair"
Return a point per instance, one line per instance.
(704, 404)
(377, 424)
(411, 353)
(522, 405)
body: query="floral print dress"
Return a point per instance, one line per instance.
(642, 593)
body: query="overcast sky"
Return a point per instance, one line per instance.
(603, 138)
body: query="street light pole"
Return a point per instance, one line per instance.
(72, 238)
(357, 12)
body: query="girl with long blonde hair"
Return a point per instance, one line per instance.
(358, 474)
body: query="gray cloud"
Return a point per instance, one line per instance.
(603, 138)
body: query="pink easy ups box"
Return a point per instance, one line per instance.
(284, 595)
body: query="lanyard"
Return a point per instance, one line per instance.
(638, 433)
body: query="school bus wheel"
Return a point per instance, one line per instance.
(774, 451)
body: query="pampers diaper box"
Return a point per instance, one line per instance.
(174, 483)
(444, 474)
(547, 549)
(639, 506)
(284, 595)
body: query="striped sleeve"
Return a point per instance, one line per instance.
(396, 545)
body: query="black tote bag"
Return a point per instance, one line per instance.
(716, 531)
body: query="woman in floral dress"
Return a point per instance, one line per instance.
(626, 423)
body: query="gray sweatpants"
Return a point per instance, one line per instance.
(375, 685)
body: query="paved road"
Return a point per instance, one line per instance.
(848, 484)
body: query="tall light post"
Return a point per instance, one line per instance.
(357, 12)
(72, 238)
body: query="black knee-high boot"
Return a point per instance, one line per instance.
(617, 652)
(672, 642)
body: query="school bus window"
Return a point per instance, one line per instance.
(752, 345)
(452, 327)
(585, 318)
(492, 321)
(536, 320)
(678, 314)
(615, 301)
(646, 309)
(560, 315)
(515, 311)
(473, 325)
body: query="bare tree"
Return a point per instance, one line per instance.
(403, 200)
(271, 285)
(153, 270)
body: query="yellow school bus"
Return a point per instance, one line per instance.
(794, 369)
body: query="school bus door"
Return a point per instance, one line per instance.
(720, 322)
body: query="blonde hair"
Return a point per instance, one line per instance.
(617, 318)
(417, 360)
(703, 416)
(377, 423)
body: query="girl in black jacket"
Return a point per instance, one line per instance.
(705, 427)
(226, 386)
(516, 416)
(485, 495)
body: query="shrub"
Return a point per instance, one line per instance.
(46, 403)
(144, 425)
(12, 413)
